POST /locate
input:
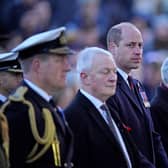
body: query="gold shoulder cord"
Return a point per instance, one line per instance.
(4, 133)
(49, 137)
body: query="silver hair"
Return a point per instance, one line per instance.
(164, 71)
(86, 58)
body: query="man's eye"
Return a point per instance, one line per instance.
(130, 45)
(105, 71)
(140, 45)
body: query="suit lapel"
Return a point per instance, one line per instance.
(139, 105)
(126, 90)
(70, 147)
(97, 118)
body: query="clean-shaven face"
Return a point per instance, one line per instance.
(129, 51)
(54, 71)
(103, 77)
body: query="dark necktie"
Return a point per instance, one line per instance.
(51, 102)
(116, 133)
(133, 89)
(131, 83)
(109, 120)
(58, 114)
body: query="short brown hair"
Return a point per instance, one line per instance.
(114, 35)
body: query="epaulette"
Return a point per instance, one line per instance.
(19, 94)
(4, 134)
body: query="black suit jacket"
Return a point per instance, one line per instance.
(131, 108)
(94, 143)
(21, 138)
(159, 111)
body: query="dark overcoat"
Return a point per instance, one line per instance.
(159, 111)
(94, 143)
(133, 108)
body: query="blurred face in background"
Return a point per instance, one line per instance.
(9, 81)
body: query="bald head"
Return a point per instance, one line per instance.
(125, 42)
(116, 33)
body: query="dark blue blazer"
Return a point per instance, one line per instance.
(21, 138)
(159, 111)
(130, 106)
(94, 143)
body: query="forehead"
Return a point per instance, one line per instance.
(131, 34)
(103, 61)
(57, 56)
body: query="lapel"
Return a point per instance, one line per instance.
(126, 90)
(92, 112)
(125, 131)
(42, 103)
(142, 111)
(70, 147)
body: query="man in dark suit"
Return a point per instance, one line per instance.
(39, 134)
(125, 42)
(159, 106)
(100, 138)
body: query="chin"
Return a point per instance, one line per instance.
(112, 92)
(62, 86)
(135, 67)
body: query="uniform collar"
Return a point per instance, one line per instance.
(38, 90)
(3, 98)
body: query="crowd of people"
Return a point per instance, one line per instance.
(83, 95)
(87, 24)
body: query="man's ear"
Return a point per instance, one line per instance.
(112, 47)
(83, 75)
(36, 64)
(85, 78)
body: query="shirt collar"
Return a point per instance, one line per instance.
(123, 74)
(96, 102)
(3, 98)
(38, 90)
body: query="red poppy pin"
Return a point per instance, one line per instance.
(127, 127)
